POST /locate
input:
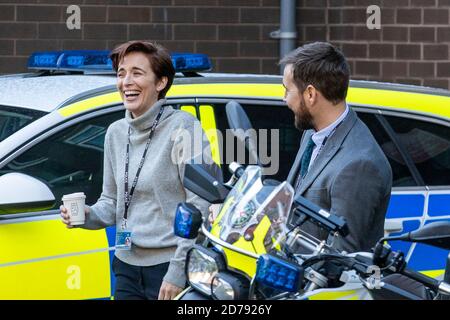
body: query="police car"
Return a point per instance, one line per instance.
(52, 127)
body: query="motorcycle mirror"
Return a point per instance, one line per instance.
(242, 128)
(436, 234)
(198, 180)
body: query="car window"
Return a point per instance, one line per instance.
(13, 119)
(402, 176)
(69, 161)
(268, 117)
(428, 145)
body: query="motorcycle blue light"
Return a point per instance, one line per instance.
(279, 274)
(187, 221)
(184, 62)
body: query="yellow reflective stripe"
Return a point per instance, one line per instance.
(424, 103)
(334, 295)
(72, 276)
(433, 273)
(259, 90)
(408, 101)
(91, 103)
(190, 109)
(209, 126)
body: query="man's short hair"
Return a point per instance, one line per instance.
(157, 55)
(323, 66)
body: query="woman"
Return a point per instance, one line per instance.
(142, 147)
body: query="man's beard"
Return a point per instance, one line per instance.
(303, 119)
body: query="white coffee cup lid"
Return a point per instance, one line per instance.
(73, 196)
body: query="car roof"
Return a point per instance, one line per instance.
(46, 93)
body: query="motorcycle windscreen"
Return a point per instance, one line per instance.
(253, 216)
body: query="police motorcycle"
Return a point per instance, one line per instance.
(249, 250)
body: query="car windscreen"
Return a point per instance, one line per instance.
(13, 119)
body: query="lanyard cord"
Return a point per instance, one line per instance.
(129, 195)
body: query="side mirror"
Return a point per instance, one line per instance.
(198, 180)
(436, 234)
(188, 219)
(22, 193)
(242, 128)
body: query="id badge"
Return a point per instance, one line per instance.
(123, 240)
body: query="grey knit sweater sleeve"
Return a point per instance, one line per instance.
(103, 213)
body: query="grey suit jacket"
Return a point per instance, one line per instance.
(350, 177)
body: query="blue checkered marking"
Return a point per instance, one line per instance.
(405, 206)
(439, 205)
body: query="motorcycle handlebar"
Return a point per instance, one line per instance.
(431, 283)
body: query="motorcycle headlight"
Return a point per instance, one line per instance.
(229, 287)
(202, 265)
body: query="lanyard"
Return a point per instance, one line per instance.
(129, 195)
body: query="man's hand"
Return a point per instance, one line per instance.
(168, 291)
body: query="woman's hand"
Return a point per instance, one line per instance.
(168, 291)
(65, 218)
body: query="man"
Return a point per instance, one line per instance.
(339, 166)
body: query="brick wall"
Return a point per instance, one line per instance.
(411, 47)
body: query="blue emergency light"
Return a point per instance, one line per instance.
(99, 61)
(188, 220)
(279, 274)
(190, 62)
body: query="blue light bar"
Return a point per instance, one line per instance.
(190, 62)
(279, 274)
(43, 60)
(98, 60)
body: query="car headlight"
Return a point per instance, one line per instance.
(229, 287)
(202, 265)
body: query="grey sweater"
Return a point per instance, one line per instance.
(159, 188)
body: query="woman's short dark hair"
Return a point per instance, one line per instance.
(323, 66)
(158, 56)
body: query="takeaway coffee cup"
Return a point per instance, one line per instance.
(74, 203)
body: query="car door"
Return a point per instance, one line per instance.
(418, 149)
(39, 257)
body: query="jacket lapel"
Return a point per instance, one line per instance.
(329, 150)
(293, 173)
